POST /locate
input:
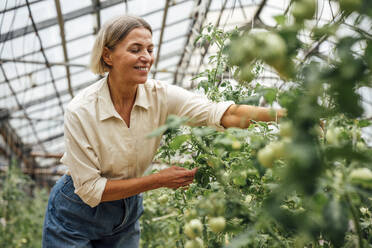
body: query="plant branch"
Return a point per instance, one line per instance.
(356, 220)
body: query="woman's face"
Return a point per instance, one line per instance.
(131, 58)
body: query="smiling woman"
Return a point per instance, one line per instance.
(98, 202)
(129, 62)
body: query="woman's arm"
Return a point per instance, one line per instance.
(242, 115)
(173, 177)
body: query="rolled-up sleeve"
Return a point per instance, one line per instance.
(82, 162)
(199, 109)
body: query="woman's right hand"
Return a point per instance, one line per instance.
(175, 177)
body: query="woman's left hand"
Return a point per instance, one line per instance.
(175, 177)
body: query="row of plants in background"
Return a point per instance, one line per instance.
(305, 182)
(22, 208)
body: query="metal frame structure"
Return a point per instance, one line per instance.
(36, 121)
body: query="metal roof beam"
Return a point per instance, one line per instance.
(208, 44)
(53, 137)
(71, 58)
(165, 57)
(53, 21)
(63, 92)
(68, 17)
(200, 13)
(164, 21)
(54, 46)
(67, 64)
(44, 55)
(20, 106)
(64, 47)
(52, 96)
(41, 84)
(97, 5)
(41, 130)
(14, 142)
(19, 6)
(89, 34)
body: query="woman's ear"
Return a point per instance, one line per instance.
(106, 56)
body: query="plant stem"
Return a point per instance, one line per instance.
(275, 236)
(356, 220)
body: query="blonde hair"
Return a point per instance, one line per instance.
(111, 33)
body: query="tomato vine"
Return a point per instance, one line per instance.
(305, 182)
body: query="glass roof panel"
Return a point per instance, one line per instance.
(42, 11)
(68, 6)
(79, 26)
(111, 12)
(12, 20)
(80, 46)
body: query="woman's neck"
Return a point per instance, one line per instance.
(122, 93)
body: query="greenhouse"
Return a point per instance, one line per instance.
(186, 123)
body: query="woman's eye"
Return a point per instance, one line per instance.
(150, 50)
(134, 51)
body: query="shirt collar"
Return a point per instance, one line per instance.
(106, 107)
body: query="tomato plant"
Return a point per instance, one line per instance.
(303, 183)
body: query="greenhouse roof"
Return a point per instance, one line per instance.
(45, 50)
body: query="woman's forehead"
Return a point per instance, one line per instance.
(140, 36)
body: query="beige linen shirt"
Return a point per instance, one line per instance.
(99, 145)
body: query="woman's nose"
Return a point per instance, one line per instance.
(145, 56)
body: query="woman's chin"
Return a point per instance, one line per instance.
(143, 81)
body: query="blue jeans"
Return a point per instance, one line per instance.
(69, 222)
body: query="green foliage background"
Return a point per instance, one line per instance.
(22, 208)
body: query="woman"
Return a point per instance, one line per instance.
(98, 203)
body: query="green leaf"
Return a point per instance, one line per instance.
(157, 132)
(364, 123)
(202, 177)
(174, 121)
(252, 100)
(178, 141)
(197, 39)
(270, 95)
(280, 19)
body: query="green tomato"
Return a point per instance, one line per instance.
(248, 199)
(333, 135)
(163, 199)
(196, 243)
(194, 228)
(318, 131)
(266, 156)
(240, 178)
(275, 48)
(303, 9)
(249, 48)
(350, 5)
(278, 149)
(246, 74)
(286, 129)
(190, 214)
(225, 177)
(239, 181)
(217, 224)
(236, 145)
(360, 146)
